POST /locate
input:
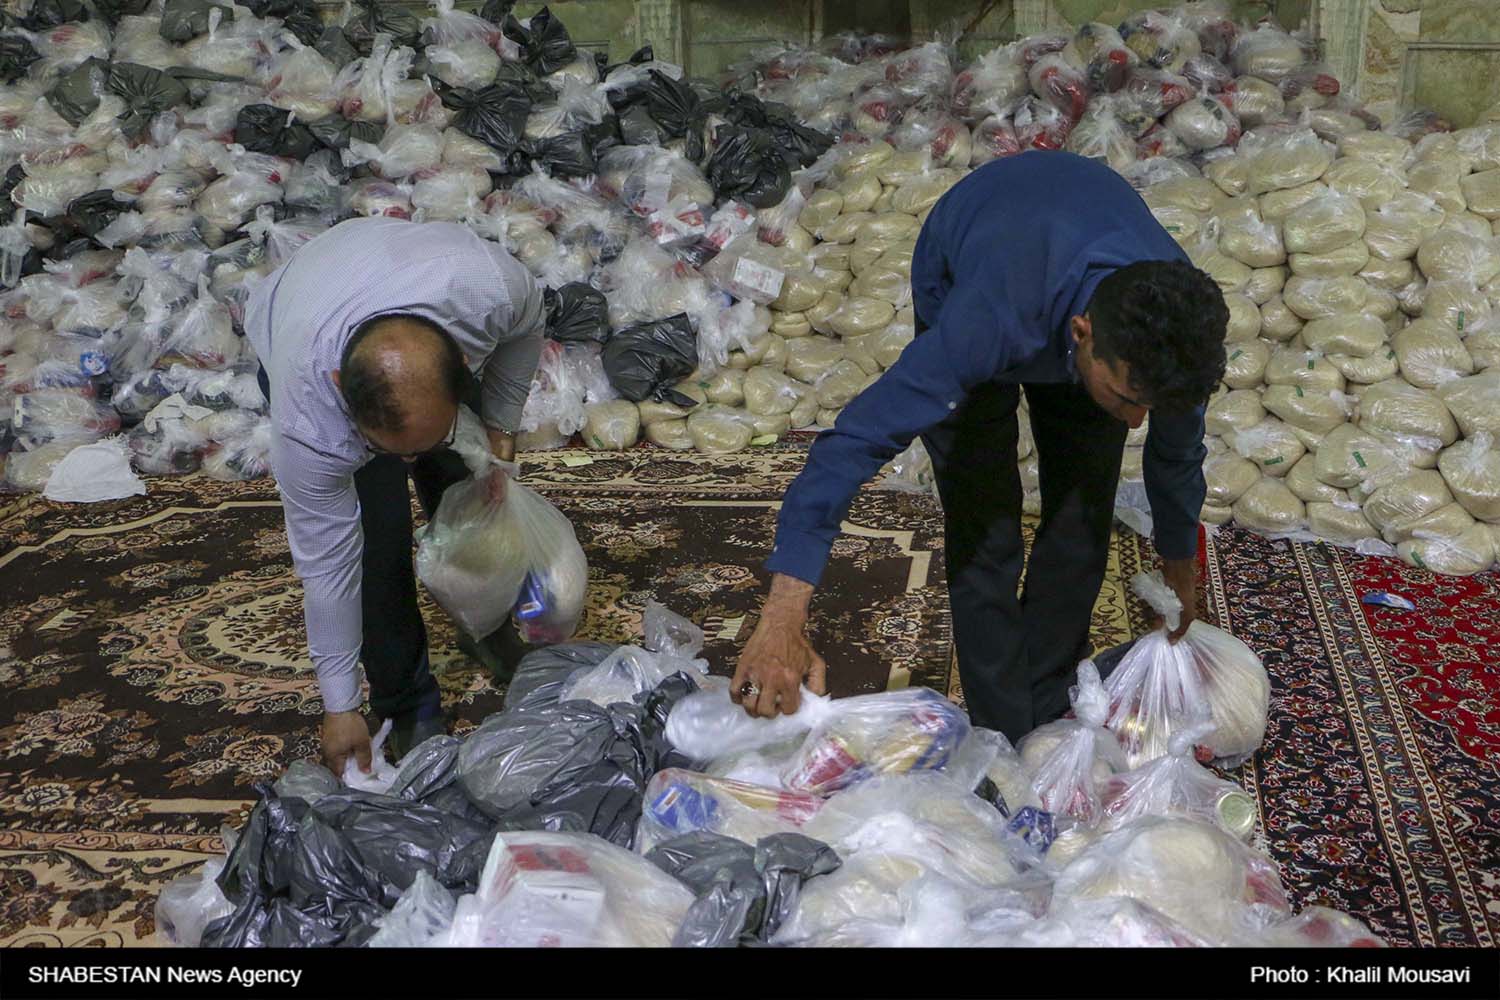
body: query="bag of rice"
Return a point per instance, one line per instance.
(1275, 206)
(1230, 275)
(1472, 551)
(1340, 523)
(769, 392)
(726, 386)
(613, 425)
(1406, 501)
(1182, 224)
(1320, 298)
(653, 412)
(1290, 365)
(1327, 221)
(1342, 261)
(1431, 355)
(1482, 192)
(1228, 476)
(1458, 305)
(1469, 224)
(1303, 481)
(799, 291)
(819, 315)
(1396, 229)
(860, 192)
(1245, 365)
(1234, 410)
(1257, 101)
(1471, 469)
(1244, 318)
(771, 425)
(1351, 333)
(670, 434)
(1277, 321)
(1319, 412)
(1484, 347)
(1230, 174)
(1438, 180)
(1452, 255)
(1248, 239)
(808, 358)
(1265, 284)
(857, 350)
(1349, 456)
(888, 344)
(720, 430)
(1270, 508)
(1194, 194)
(845, 228)
(1214, 514)
(1474, 402)
(1384, 304)
(1368, 182)
(1381, 147)
(921, 194)
(1278, 160)
(822, 207)
(1376, 367)
(1388, 275)
(837, 386)
(1405, 412)
(1270, 444)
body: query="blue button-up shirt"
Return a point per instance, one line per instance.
(1005, 260)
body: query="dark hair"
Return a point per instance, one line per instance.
(1166, 320)
(372, 399)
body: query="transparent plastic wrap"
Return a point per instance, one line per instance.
(404, 151)
(679, 802)
(1159, 687)
(189, 903)
(1060, 85)
(1466, 553)
(1193, 873)
(895, 732)
(1177, 785)
(708, 726)
(1100, 135)
(1269, 53)
(45, 416)
(629, 671)
(484, 561)
(567, 890)
(422, 916)
(992, 85)
(1204, 123)
(1071, 759)
(1471, 469)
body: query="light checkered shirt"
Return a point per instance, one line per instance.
(299, 320)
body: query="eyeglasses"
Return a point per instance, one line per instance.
(447, 442)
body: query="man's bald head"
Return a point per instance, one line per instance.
(400, 372)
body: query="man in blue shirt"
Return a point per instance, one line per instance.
(1043, 273)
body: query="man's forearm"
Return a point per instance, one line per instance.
(789, 598)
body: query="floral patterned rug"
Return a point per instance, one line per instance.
(152, 661)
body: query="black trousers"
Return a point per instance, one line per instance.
(393, 646)
(1018, 652)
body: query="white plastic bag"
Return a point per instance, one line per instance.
(382, 773)
(422, 915)
(679, 801)
(1071, 758)
(93, 472)
(893, 732)
(476, 559)
(1159, 687)
(1177, 785)
(189, 903)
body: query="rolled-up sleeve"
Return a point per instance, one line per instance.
(1173, 468)
(327, 542)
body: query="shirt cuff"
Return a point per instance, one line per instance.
(799, 554)
(341, 691)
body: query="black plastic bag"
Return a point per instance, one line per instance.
(259, 864)
(12, 179)
(644, 361)
(76, 94)
(427, 768)
(579, 313)
(47, 14)
(744, 893)
(16, 56)
(262, 128)
(541, 674)
(604, 799)
(568, 155)
(376, 18)
(495, 115)
(185, 20)
(276, 923)
(496, 11)
(515, 756)
(110, 11)
(334, 45)
(147, 92)
(90, 213)
(638, 128)
(391, 839)
(325, 869)
(336, 131)
(748, 166)
(544, 41)
(677, 108)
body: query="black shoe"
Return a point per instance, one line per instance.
(411, 732)
(499, 652)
